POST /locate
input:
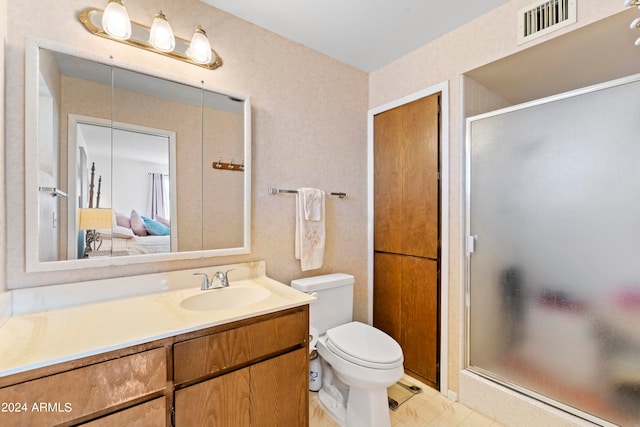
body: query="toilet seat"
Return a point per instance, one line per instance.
(365, 346)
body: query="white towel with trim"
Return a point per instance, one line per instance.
(310, 228)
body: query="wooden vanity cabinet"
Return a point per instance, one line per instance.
(252, 372)
(72, 392)
(267, 393)
(252, 375)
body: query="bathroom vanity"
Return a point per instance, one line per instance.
(152, 362)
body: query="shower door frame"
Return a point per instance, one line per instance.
(469, 243)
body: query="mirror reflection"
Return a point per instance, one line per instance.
(133, 160)
(136, 189)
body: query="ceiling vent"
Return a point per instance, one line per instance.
(543, 17)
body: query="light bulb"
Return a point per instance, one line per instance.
(200, 50)
(161, 35)
(637, 42)
(115, 20)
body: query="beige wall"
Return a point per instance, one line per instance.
(3, 30)
(5, 297)
(309, 129)
(484, 40)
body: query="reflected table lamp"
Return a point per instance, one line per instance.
(91, 219)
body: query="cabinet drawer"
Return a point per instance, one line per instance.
(225, 350)
(149, 414)
(273, 335)
(73, 394)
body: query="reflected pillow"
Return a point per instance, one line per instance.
(162, 220)
(155, 228)
(122, 220)
(137, 224)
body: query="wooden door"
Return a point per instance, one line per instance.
(419, 317)
(420, 184)
(406, 231)
(387, 293)
(387, 215)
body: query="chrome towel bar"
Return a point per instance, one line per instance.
(273, 190)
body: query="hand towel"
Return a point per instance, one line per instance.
(310, 228)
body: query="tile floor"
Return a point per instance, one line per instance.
(427, 409)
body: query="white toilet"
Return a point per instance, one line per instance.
(359, 361)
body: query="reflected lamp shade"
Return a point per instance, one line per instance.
(161, 35)
(115, 20)
(94, 218)
(200, 49)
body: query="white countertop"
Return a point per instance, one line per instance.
(34, 340)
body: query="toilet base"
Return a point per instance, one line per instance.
(363, 408)
(330, 404)
(368, 408)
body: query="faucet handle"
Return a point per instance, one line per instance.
(226, 279)
(205, 280)
(222, 277)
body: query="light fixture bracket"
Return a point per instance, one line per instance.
(91, 18)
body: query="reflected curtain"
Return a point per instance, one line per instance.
(159, 196)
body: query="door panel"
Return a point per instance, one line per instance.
(222, 401)
(388, 181)
(387, 293)
(420, 178)
(283, 399)
(420, 316)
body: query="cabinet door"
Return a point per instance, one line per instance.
(279, 391)
(387, 291)
(218, 402)
(149, 414)
(420, 316)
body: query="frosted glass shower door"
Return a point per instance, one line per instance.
(553, 200)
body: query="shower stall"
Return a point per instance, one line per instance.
(553, 242)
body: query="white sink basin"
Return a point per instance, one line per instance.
(224, 298)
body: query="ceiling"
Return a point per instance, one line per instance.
(599, 52)
(366, 34)
(137, 146)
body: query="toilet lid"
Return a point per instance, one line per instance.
(364, 345)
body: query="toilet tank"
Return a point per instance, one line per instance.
(334, 299)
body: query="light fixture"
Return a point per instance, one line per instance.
(91, 219)
(636, 22)
(199, 48)
(115, 20)
(161, 35)
(158, 38)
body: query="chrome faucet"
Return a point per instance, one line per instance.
(220, 280)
